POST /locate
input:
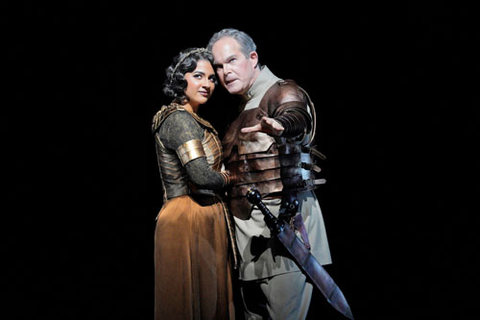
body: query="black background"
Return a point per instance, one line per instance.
(395, 89)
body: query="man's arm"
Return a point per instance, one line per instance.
(289, 120)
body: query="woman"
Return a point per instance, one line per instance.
(193, 233)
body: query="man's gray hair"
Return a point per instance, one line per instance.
(246, 42)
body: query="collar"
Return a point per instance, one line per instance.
(264, 80)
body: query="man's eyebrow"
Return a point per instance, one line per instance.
(218, 64)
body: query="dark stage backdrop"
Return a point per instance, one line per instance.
(394, 91)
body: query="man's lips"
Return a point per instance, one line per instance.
(228, 82)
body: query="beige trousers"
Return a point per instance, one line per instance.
(284, 296)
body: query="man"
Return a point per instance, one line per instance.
(268, 147)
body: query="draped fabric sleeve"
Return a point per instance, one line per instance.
(180, 128)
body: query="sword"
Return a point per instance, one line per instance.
(302, 256)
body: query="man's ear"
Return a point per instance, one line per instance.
(254, 57)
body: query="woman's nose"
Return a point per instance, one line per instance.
(206, 83)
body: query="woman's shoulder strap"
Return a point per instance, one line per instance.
(163, 114)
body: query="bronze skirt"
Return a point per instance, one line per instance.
(192, 269)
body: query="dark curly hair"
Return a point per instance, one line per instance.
(186, 61)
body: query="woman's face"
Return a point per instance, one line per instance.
(200, 83)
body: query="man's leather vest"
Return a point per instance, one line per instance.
(175, 180)
(266, 163)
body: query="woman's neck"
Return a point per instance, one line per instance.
(190, 107)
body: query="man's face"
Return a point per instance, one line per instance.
(235, 71)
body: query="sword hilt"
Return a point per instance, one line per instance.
(275, 225)
(254, 197)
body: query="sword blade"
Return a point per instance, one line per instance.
(314, 270)
(302, 256)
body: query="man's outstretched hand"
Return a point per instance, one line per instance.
(266, 125)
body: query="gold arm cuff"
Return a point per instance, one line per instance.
(190, 150)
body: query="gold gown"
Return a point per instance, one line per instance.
(192, 240)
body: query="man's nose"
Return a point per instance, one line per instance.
(226, 69)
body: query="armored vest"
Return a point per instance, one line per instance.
(266, 163)
(174, 177)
